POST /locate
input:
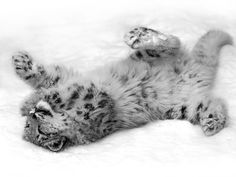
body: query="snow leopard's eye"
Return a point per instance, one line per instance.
(40, 110)
(40, 113)
(44, 111)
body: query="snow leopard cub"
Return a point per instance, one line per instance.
(159, 80)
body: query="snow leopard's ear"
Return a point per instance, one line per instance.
(56, 144)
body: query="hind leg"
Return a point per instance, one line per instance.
(212, 117)
(151, 43)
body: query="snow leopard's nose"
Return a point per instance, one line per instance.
(32, 113)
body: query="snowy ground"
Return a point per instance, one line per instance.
(84, 35)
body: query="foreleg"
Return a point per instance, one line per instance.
(34, 74)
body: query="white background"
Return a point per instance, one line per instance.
(87, 34)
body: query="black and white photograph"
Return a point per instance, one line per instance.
(118, 88)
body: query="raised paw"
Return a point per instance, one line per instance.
(213, 120)
(213, 124)
(142, 37)
(22, 62)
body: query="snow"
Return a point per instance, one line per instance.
(87, 34)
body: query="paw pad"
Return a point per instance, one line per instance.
(141, 37)
(213, 124)
(22, 63)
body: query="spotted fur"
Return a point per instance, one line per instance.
(159, 81)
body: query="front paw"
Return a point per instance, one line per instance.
(22, 62)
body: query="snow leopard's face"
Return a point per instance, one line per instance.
(85, 116)
(46, 128)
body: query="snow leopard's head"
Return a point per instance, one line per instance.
(79, 115)
(46, 128)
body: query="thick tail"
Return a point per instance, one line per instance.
(207, 49)
(202, 67)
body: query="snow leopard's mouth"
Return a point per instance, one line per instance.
(53, 141)
(42, 135)
(56, 144)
